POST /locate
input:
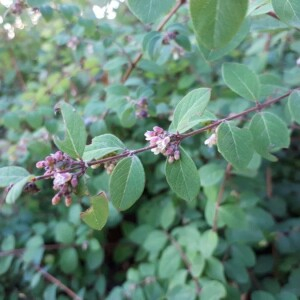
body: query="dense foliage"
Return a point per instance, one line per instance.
(172, 126)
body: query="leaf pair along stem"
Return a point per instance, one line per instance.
(179, 137)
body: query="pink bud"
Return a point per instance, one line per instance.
(170, 159)
(56, 199)
(158, 129)
(177, 155)
(68, 200)
(40, 164)
(58, 155)
(74, 181)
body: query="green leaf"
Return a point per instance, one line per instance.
(75, 133)
(69, 10)
(182, 176)
(11, 175)
(68, 260)
(47, 12)
(115, 63)
(214, 54)
(262, 295)
(236, 271)
(211, 174)
(102, 145)
(212, 290)
(243, 254)
(214, 269)
(148, 11)
(155, 241)
(37, 3)
(235, 144)
(17, 189)
(8, 243)
(269, 133)
(208, 243)
(217, 21)
(197, 263)
(127, 182)
(294, 106)
(232, 215)
(64, 233)
(96, 216)
(169, 262)
(288, 11)
(189, 110)
(181, 292)
(241, 80)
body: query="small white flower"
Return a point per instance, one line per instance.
(211, 141)
(61, 179)
(298, 62)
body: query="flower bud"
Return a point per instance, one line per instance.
(177, 155)
(58, 155)
(40, 164)
(158, 129)
(56, 199)
(68, 200)
(74, 181)
(170, 159)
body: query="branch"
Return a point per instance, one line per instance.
(159, 28)
(185, 261)
(57, 282)
(258, 107)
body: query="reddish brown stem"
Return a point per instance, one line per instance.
(57, 282)
(236, 116)
(177, 136)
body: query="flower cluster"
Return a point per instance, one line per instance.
(164, 143)
(59, 166)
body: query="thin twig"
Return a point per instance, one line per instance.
(185, 260)
(57, 282)
(134, 63)
(220, 197)
(239, 115)
(269, 184)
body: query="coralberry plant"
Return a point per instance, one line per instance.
(190, 107)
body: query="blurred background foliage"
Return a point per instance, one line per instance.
(78, 51)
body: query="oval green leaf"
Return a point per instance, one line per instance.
(288, 11)
(127, 182)
(241, 80)
(148, 11)
(235, 144)
(102, 145)
(294, 106)
(269, 133)
(189, 110)
(12, 175)
(75, 133)
(17, 189)
(183, 177)
(217, 21)
(96, 216)
(214, 54)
